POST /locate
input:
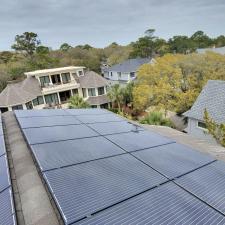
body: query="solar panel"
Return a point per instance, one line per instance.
(165, 205)
(112, 127)
(173, 160)
(207, 183)
(99, 118)
(64, 153)
(139, 140)
(31, 122)
(57, 133)
(4, 174)
(7, 216)
(2, 145)
(90, 111)
(86, 188)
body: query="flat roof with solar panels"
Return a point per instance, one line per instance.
(99, 168)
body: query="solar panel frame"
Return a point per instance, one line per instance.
(36, 122)
(64, 153)
(134, 141)
(165, 205)
(173, 160)
(102, 118)
(207, 183)
(2, 145)
(7, 212)
(40, 113)
(88, 111)
(57, 133)
(99, 184)
(115, 128)
(4, 173)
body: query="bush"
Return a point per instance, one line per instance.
(156, 118)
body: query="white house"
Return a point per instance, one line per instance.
(220, 50)
(211, 98)
(53, 88)
(124, 72)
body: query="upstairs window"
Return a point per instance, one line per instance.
(84, 92)
(119, 74)
(17, 107)
(201, 125)
(44, 81)
(91, 92)
(65, 78)
(80, 73)
(38, 101)
(132, 74)
(101, 91)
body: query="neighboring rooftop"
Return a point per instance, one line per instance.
(130, 65)
(20, 92)
(109, 167)
(211, 98)
(92, 80)
(54, 70)
(220, 50)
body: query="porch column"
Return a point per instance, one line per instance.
(58, 97)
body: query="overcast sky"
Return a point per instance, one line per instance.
(101, 22)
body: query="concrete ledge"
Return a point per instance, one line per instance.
(35, 206)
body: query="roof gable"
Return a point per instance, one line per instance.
(211, 98)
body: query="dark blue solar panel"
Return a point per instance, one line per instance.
(2, 145)
(100, 118)
(45, 112)
(165, 205)
(58, 154)
(7, 216)
(83, 189)
(30, 122)
(139, 140)
(114, 127)
(77, 112)
(4, 173)
(207, 183)
(173, 160)
(57, 133)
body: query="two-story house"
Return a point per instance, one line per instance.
(53, 88)
(124, 72)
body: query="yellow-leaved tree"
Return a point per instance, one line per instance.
(174, 81)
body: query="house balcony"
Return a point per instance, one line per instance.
(57, 87)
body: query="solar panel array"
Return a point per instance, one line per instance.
(7, 212)
(102, 169)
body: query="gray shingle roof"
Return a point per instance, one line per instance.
(98, 100)
(220, 50)
(211, 98)
(130, 65)
(92, 79)
(20, 93)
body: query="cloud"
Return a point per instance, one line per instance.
(100, 22)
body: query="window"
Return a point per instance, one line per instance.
(119, 74)
(52, 98)
(111, 74)
(38, 101)
(75, 91)
(29, 105)
(91, 92)
(101, 91)
(65, 78)
(94, 106)
(17, 107)
(80, 73)
(56, 79)
(84, 92)
(132, 74)
(44, 81)
(201, 125)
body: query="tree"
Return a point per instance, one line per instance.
(201, 40)
(26, 43)
(116, 96)
(65, 47)
(77, 102)
(173, 82)
(216, 130)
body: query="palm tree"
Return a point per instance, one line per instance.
(115, 94)
(76, 102)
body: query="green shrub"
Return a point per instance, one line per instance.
(156, 118)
